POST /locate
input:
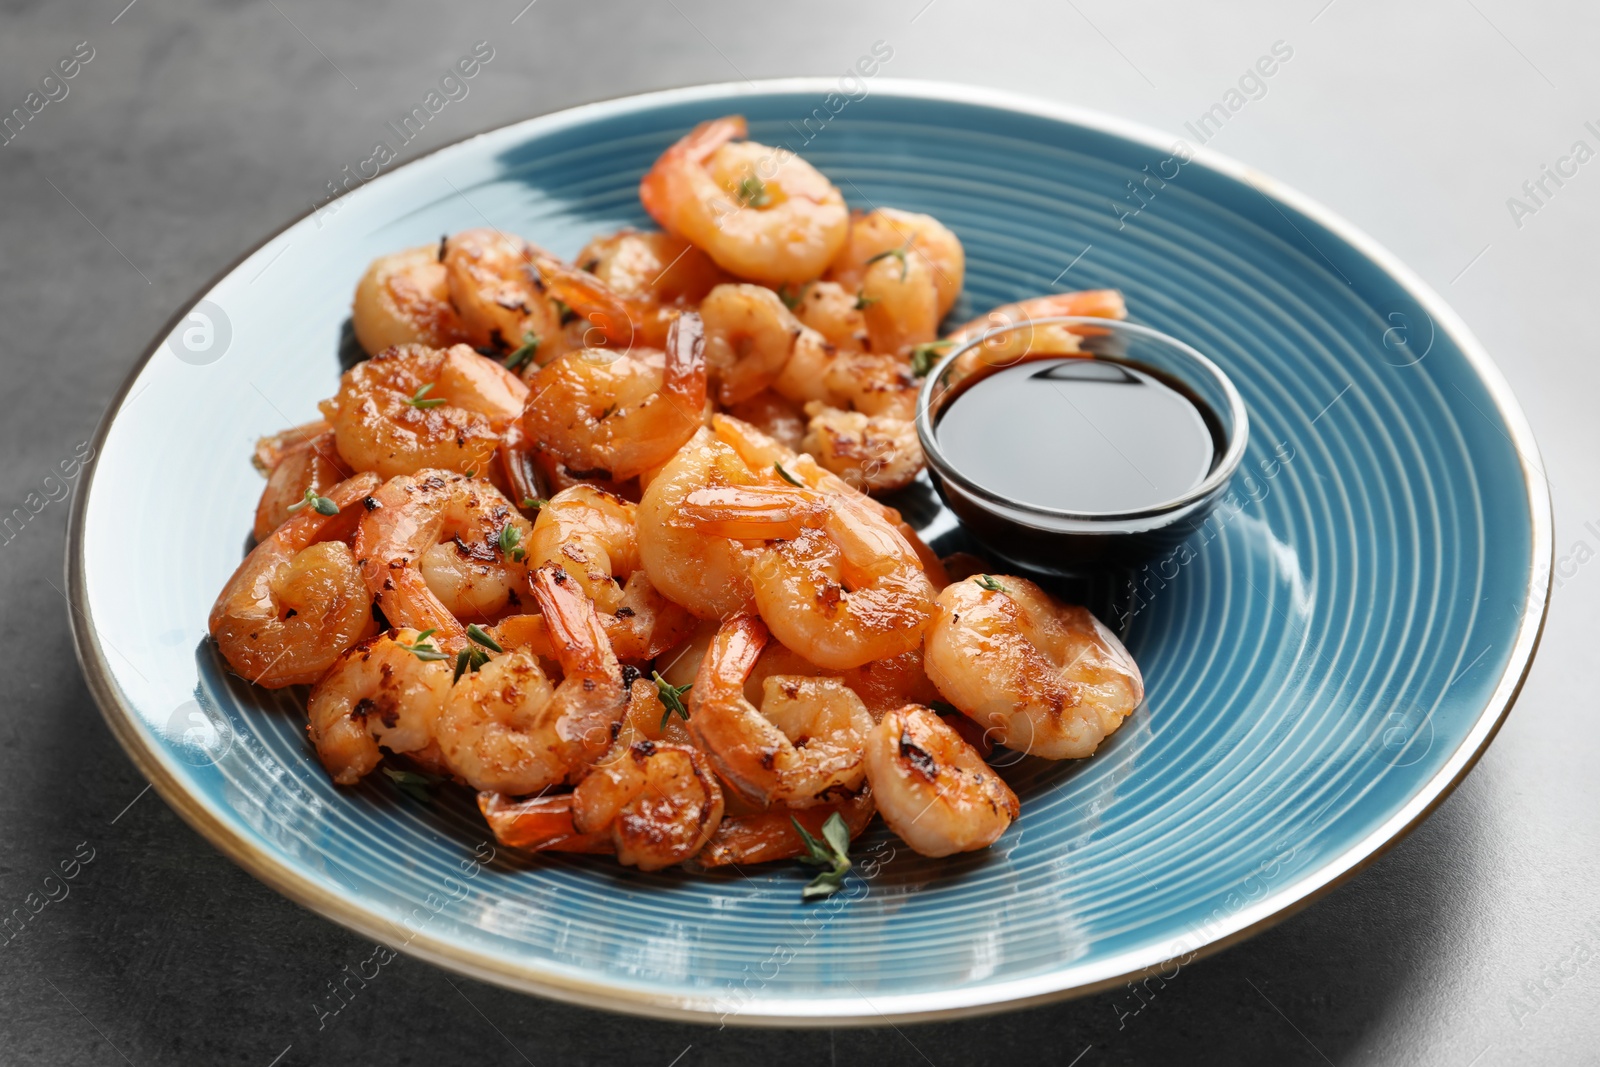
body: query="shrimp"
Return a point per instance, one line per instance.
(379, 694)
(764, 836)
(404, 299)
(761, 213)
(621, 413)
(1002, 349)
(434, 548)
(750, 338)
(878, 453)
(312, 464)
(630, 286)
(506, 729)
(836, 581)
(890, 237)
(297, 601)
(763, 452)
(707, 575)
(800, 747)
(594, 536)
(411, 408)
(659, 802)
(882, 685)
(833, 311)
(932, 788)
(538, 824)
(776, 416)
(1040, 676)
(493, 287)
(271, 449)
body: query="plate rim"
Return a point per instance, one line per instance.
(953, 1003)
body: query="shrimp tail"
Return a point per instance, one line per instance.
(685, 379)
(539, 824)
(657, 189)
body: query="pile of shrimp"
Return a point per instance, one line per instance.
(597, 540)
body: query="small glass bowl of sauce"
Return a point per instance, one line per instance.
(1067, 442)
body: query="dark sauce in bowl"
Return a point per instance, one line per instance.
(1091, 436)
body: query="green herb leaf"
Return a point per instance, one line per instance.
(566, 313)
(419, 398)
(925, 357)
(791, 298)
(416, 786)
(832, 852)
(863, 301)
(509, 538)
(480, 635)
(423, 649)
(671, 698)
(752, 192)
(534, 503)
(898, 253)
(469, 658)
(986, 582)
(519, 356)
(320, 504)
(786, 476)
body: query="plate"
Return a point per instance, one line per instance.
(1325, 660)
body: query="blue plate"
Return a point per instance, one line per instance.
(1325, 660)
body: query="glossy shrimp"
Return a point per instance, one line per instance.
(507, 729)
(404, 299)
(1039, 676)
(618, 414)
(932, 787)
(412, 407)
(1007, 346)
(629, 286)
(494, 289)
(750, 338)
(906, 270)
(379, 695)
(761, 213)
(594, 535)
(748, 837)
(311, 464)
(802, 746)
(659, 802)
(836, 581)
(435, 548)
(297, 601)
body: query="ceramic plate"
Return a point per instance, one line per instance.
(1324, 661)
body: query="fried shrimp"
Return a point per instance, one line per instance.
(496, 293)
(434, 548)
(379, 695)
(892, 238)
(404, 299)
(297, 601)
(629, 286)
(507, 729)
(761, 213)
(768, 835)
(707, 575)
(618, 414)
(799, 748)
(833, 311)
(594, 536)
(411, 408)
(1044, 339)
(932, 788)
(659, 802)
(750, 338)
(836, 582)
(311, 464)
(1040, 676)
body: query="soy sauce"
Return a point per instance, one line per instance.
(1082, 435)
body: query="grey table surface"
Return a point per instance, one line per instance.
(197, 128)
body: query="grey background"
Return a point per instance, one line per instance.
(200, 127)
